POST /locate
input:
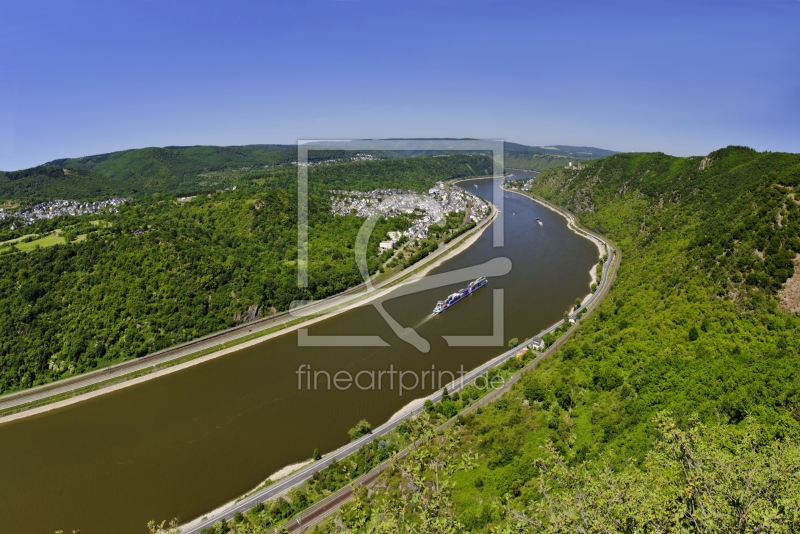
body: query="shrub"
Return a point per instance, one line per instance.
(361, 429)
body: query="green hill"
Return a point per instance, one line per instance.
(539, 158)
(179, 171)
(50, 181)
(675, 407)
(691, 326)
(578, 152)
(162, 271)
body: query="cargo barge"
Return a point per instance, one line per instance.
(473, 286)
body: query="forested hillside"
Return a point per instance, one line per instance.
(539, 158)
(190, 170)
(52, 182)
(164, 270)
(675, 407)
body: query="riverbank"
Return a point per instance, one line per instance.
(406, 276)
(602, 248)
(329, 505)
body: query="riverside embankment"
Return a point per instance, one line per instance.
(181, 444)
(90, 385)
(320, 510)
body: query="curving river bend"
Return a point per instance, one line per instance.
(185, 443)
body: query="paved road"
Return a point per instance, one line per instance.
(304, 474)
(320, 511)
(211, 341)
(326, 507)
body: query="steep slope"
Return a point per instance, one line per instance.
(682, 391)
(691, 325)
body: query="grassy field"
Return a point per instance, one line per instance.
(47, 241)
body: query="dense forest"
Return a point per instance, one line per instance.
(675, 407)
(194, 169)
(165, 270)
(142, 172)
(51, 182)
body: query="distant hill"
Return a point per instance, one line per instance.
(177, 169)
(540, 158)
(184, 269)
(185, 170)
(579, 152)
(57, 182)
(517, 156)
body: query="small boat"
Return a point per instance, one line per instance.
(539, 221)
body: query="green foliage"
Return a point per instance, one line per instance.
(178, 171)
(466, 228)
(199, 267)
(717, 479)
(693, 334)
(161, 272)
(160, 528)
(685, 330)
(420, 502)
(362, 428)
(52, 182)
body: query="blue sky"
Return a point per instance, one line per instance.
(681, 77)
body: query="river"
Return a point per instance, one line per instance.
(185, 443)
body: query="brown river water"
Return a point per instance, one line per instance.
(185, 443)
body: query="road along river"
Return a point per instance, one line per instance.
(183, 444)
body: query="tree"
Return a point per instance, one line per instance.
(693, 334)
(513, 342)
(317, 455)
(704, 479)
(534, 389)
(361, 429)
(423, 504)
(163, 527)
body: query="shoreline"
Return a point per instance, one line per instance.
(419, 402)
(274, 477)
(406, 278)
(601, 250)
